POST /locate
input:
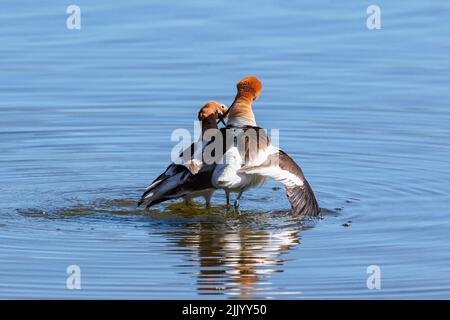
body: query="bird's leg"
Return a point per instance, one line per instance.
(228, 199)
(208, 200)
(236, 202)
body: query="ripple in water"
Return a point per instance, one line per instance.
(229, 253)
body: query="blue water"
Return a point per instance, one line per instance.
(85, 123)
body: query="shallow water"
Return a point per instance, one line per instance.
(85, 123)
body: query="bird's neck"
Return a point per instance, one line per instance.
(209, 122)
(241, 113)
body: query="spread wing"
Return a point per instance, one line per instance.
(280, 167)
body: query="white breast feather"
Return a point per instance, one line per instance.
(225, 175)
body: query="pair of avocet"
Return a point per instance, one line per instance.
(247, 159)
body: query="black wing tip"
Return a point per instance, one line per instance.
(310, 213)
(142, 200)
(145, 205)
(303, 201)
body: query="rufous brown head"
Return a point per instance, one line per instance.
(212, 109)
(249, 86)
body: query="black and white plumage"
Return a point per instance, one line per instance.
(178, 182)
(247, 162)
(280, 167)
(188, 177)
(252, 161)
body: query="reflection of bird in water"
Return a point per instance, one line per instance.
(236, 261)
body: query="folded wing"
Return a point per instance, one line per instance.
(175, 174)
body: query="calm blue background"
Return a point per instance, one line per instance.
(85, 123)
